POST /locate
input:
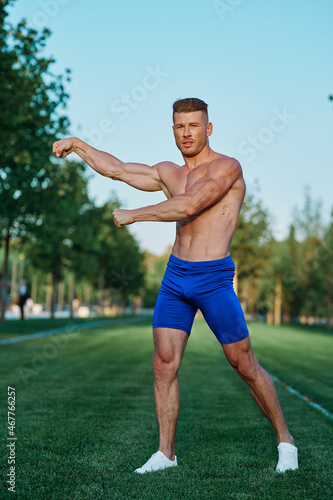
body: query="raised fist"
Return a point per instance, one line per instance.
(63, 148)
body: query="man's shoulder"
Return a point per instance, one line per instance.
(166, 166)
(225, 165)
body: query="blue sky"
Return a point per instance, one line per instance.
(263, 67)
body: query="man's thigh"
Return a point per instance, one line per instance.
(170, 343)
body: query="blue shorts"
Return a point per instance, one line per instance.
(206, 285)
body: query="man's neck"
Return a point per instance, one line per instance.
(205, 156)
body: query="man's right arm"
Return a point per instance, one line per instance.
(137, 175)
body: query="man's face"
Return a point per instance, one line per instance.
(191, 132)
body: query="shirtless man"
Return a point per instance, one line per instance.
(205, 196)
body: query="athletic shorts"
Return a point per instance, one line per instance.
(207, 285)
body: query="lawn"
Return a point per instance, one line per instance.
(14, 328)
(85, 417)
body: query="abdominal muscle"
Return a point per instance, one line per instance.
(206, 236)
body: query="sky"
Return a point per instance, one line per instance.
(264, 68)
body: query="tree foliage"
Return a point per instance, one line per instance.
(50, 238)
(304, 263)
(31, 98)
(118, 259)
(251, 247)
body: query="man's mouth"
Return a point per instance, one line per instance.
(187, 143)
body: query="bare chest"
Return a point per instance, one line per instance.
(183, 180)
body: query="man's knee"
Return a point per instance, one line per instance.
(247, 368)
(165, 365)
(169, 349)
(243, 361)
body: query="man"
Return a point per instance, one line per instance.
(205, 196)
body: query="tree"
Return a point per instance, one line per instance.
(309, 232)
(30, 99)
(289, 264)
(83, 251)
(281, 270)
(319, 298)
(155, 268)
(296, 262)
(118, 258)
(52, 238)
(250, 248)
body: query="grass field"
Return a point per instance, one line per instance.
(12, 329)
(85, 417)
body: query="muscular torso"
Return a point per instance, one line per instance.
(206, 236)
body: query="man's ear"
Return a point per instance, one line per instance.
(209, 129)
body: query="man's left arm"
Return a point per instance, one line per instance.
(204, 193)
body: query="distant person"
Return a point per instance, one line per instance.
(23, 296)
(205, 196)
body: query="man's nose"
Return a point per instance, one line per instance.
(186, 132)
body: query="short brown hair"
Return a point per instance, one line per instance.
(189, 105)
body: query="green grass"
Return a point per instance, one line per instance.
(16, 328)
(85, 417)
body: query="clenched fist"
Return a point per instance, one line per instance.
(63, 148)
(122, 217)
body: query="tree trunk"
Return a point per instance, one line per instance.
(21, 268)
(34, 291)
(277, 302)
(55, 283)
(54, 293)
(100, 293)
(48, 302)
(87, 296)
(4, 279)
(61, 294)
(71, 295)
(13, 292)
(269, 318)
(286, 311)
